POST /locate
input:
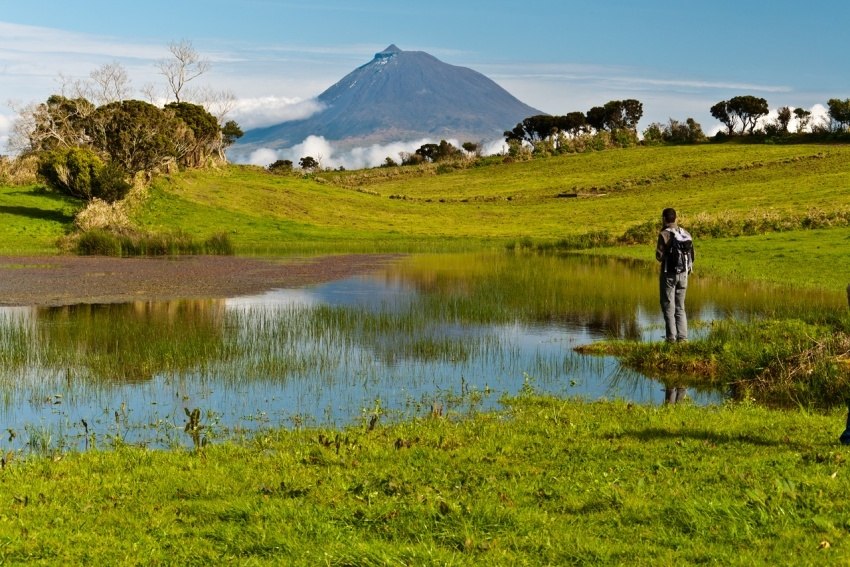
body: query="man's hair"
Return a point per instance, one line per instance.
(669, 215)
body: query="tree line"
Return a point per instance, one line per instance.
(614, 124)
(91, 140)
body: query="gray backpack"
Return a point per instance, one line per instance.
(679, 257)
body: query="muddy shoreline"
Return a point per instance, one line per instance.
(67, 280)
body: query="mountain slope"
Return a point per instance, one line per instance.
(403, 95)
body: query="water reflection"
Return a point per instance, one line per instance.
(451, 329)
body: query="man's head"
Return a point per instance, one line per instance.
(669, 215)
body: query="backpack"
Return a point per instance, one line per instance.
(680, 252)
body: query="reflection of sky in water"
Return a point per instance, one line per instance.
(501, 358)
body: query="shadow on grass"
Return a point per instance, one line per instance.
(656, 433)
(37, 213)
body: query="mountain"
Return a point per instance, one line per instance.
(402, 96)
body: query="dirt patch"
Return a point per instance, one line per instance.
(65, 280)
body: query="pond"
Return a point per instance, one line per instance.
(428, 333)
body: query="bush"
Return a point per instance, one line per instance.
(80, 173)
(281, 166)
(111, 183)
(72, 171)
(18, 171)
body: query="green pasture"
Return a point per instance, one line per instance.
(494, 203)
(438, 208)
(544, 482)
(32, 219)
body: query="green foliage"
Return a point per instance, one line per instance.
(61, 122)
(206, 133)
(439, 152)
(111, 183)
(281, 166)
(72, 171)
(744, 110)
(139, 136)
(80, 173)
(98, 242)
(308, 163)
(839, 111)
(674, 132)
(231, 132)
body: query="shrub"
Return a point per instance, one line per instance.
(281, 166)
(80, 173)
(72, 171)
(18, 171)
(111, 183)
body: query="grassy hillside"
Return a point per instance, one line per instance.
(438, 208)
(32, 219)
(497, 202)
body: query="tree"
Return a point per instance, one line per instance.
(596, 117)
(438, 152)
(184, 66)
(720, 111)
(748, 109)
(654, 134)
(803, 117)
(139, 136)
(110, 83)
(515, 135)
(839, 111)
(614, 115)
(472, 148)
(308, 163)
(783, 118)
(745, 109)
(674, 132)
(428, 151)
(230, 132)
(206, 134)
(695, 133)
(632, 113)
(573, 123)
(59, 122)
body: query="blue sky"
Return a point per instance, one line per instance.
(677, 56)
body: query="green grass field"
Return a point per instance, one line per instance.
(418, 209)
(546, 482)
(492, 204)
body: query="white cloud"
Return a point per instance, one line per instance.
(269, 110)
(5, 131)
(351, 158)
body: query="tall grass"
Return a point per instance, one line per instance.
(99, 242)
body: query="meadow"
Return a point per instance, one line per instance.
(542, 481)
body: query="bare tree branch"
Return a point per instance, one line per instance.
(185, 66)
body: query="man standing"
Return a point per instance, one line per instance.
(675, 251)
